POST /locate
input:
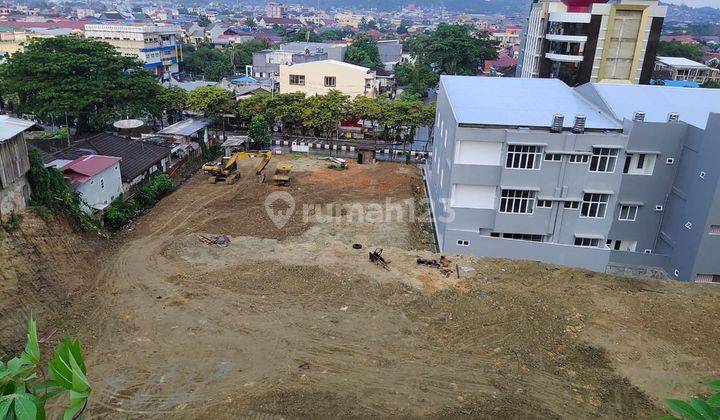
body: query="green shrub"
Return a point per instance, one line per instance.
(25, 386)
(697, 408)
(157, 188)
(119, 213)
(13, 222)
(44, 213)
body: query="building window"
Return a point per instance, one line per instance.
(603, 159)
(572, 205)
(523, 157)
(553, 157)
(330, 81)
(587, 242)
(517, 201)
(463, 243)
(545, 204)
(639, 164)
(618, 245)
(579, 158)
(102, 183)
(715, 229)
(518, 236)
(594, 205)
(628, 213)
(297, 79)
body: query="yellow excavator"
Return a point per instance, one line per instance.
(226, 169)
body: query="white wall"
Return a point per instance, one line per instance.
(478, 153)
(103, 188)
(473, 196)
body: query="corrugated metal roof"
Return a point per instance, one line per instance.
(187, 127)
(693, 105)
(91, 165)
(11, 127)
(520, 102)
(680, 62)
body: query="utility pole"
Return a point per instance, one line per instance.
(67, 124)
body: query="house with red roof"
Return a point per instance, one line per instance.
(97, 179)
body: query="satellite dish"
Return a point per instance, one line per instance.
(128, 124)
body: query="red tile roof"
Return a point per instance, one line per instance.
(83, 168)
(50, 24)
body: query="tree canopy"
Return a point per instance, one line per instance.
(206, 62)
(453, 49)
(322, 114)
(210, 100)
(86, 79)
(240, 55)
(364, 52)
(680, 49)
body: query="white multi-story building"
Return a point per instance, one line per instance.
(157, 46)
(680, 68)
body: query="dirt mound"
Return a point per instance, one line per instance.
(44, 271)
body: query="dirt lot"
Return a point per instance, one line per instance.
(294, 322)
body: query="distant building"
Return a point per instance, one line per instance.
(14, 165)
(680, 68)
(390, 53)
(607, 177)
(276, 10)
(266, 63)
(269, 22)
(139, 160)
(335, 51)
(580, 41)
(157, 46)
(319, 77)
(97, 179)
(510, 37)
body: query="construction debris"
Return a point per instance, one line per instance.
(219, 240)
(442, 264)
(377, 258)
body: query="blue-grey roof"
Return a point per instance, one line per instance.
(520, 102)
(693, 105)
(186, 127)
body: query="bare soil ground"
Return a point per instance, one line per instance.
(294, 322)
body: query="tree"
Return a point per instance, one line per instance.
(212, 101)
(86, 80)
(366, 25)
(258, 132)
(335, 34)
(203, 21)
(711, 85)
(207, 62)
(324, 113)
(403, 27)
(241, 54)
(416, 78)
(302, 35)
(287, 108)
(364, 52)
(247, 108)
(452, 49)
(173, 101)
(675, 48)
(24, 389)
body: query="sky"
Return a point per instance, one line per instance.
(697, 3)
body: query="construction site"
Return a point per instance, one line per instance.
(207, 307)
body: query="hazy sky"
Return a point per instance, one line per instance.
(697, 3)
